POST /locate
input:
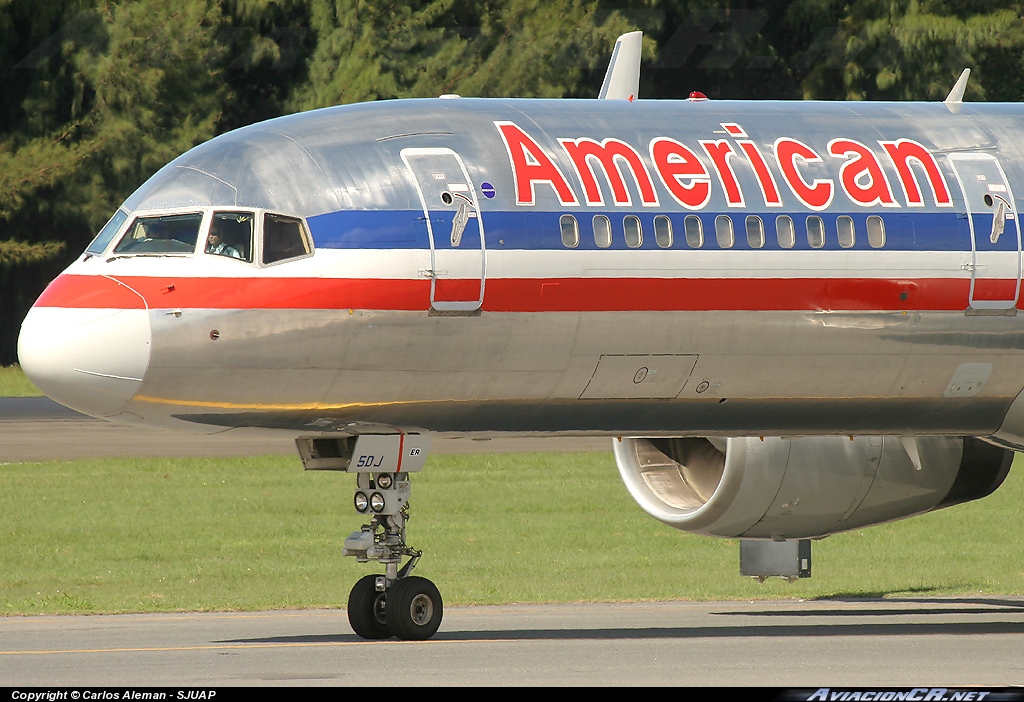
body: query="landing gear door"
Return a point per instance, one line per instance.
(995, 231)
(454, 226)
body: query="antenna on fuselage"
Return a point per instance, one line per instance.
(955, 100)
(622, 81)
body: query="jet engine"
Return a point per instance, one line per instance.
(798, 488)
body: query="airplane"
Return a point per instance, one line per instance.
(791, 319)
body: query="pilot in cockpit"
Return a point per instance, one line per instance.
(215, 243)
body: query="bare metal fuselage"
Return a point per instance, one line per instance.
(625, 340)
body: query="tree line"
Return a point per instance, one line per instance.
(97, 95)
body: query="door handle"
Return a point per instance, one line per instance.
(998, 221)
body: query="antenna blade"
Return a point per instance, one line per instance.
(955, 100)
(622, 81)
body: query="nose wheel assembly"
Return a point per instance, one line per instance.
(396, 603)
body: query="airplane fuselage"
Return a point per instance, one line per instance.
(692, 268)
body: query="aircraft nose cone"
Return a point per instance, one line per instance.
(91, 360)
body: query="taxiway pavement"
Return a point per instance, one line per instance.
(946, 642)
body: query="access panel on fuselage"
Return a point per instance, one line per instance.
(995, 234)
(454, 227)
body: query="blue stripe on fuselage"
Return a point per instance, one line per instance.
(369, 229)
(524, 229)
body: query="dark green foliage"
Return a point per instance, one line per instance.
(909, 50)
(16, 253)
(96, 95)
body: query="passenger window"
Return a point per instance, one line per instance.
(845, 231)
(634, 235)
(99, 244)
(663, 231)
(602, 231)
(166, 234)
(815, 232)
(283, 238)
(755, 232)
(876, 232)
(723, 231)
(785, 231)
(570, 231)
(231, 235)
(694, 230)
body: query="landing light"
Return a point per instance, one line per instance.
(361, 501)
(377, 502)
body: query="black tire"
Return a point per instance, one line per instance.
(367, 609)
(414, 609)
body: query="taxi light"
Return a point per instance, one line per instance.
(377, 502)
(361, 501)
(384, 481)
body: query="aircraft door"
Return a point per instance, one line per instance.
(454, 227)
(995, 233)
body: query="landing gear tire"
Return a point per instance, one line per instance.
(414, 609)
(367, 609)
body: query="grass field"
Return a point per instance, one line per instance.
(222, 534)
(13, 383)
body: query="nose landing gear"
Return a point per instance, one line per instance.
(396, 603)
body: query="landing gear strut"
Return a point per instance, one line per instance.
(396, 603)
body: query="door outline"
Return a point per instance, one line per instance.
(959, 163)
(438, 264)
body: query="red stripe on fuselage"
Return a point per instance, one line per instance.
(456, 289)
(238, 293)
(726, 294)
(519, 294)
(89, 292)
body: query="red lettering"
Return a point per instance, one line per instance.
(862, 177)
(765, 179)
(682, 172)
(817, 194)
(719, 152)
(530, 166)
(611, 155)
(905, 151)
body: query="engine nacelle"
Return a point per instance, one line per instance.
(804, 487)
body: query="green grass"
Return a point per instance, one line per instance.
(13, 383)
(221, 534)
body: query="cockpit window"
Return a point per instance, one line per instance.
(167, 234)
(99, 244)
(283, 238)
(231, 235)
